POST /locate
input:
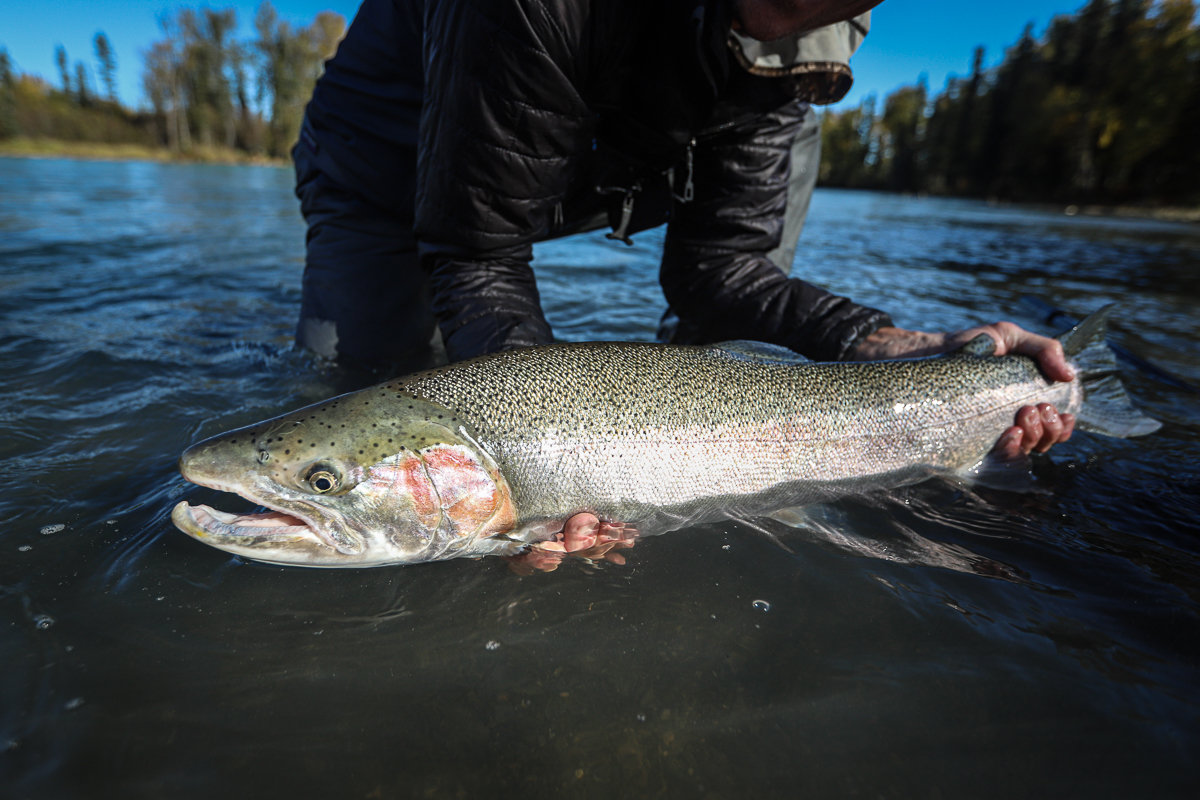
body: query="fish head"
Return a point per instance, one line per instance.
(366, 479)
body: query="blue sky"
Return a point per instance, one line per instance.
(909, 37)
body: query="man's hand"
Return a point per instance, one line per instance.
(585, 536)
(1037, 428)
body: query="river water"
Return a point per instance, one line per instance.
(934, 642)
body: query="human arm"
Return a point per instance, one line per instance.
(716, 273)
(501, 121)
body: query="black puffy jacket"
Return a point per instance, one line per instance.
(484, 123)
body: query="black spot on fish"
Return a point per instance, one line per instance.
(314, 444)
(287, 452)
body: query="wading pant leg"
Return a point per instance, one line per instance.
(365, 298)
(805, 164)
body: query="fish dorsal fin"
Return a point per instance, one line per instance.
(981, 345)
(759, 352)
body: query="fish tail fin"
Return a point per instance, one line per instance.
(1106, 406)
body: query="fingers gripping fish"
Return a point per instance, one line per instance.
(490, 456)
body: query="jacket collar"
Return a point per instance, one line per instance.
(815, 66)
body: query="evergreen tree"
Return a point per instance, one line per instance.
(83, 92)
(8, 100)
(108, 66)
(64, 73)
(1104, 107)
(903, 127)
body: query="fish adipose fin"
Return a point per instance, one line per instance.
(1106, 406)
(981, 345)
(759, 352)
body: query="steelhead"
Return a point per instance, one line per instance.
(491, 455)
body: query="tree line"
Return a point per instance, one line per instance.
(1103, 107)
(204, 87)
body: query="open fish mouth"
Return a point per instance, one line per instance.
(207, 523)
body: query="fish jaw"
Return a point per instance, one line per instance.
(274, 538)
(420, 491)
(295, 531)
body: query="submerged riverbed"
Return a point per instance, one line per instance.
(931, 642)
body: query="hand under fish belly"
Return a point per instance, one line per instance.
(491, 457)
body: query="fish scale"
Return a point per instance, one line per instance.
(651, 426)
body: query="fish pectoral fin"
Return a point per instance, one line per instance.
(759, 527)
(796, 517)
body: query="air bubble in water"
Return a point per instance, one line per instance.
(73, 704)
(492, 645)
(43, 621)
(49, 529)
(761, 605)
(25, 548)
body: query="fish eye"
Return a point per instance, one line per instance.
(322, 481)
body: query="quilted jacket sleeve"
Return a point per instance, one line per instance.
(715, 271)
(501, 124)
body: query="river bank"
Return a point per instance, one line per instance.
(1165, 213)
(37, 147)
(30, 147)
